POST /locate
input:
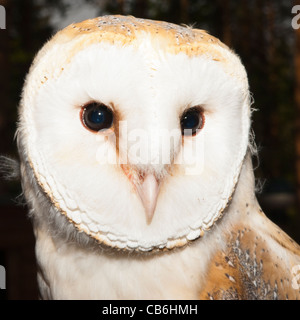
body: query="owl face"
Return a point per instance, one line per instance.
(136, 130)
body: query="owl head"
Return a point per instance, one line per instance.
(134, 130)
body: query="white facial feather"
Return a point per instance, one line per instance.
(149, 88)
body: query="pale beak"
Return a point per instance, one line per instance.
(147, 187)
(148, 190)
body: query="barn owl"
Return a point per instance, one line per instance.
(135, 159)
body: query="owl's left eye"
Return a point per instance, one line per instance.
(191, 121)
(97, 116)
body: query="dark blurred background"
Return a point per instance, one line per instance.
(260, 32)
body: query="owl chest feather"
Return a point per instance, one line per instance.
(240, 264)
(72, 273)
(243, 256)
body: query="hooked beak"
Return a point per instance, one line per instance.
(147, 187)
(148, 191)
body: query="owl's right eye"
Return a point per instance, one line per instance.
(96, 116)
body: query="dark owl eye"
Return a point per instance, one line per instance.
(192, 120)
(97, 116)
